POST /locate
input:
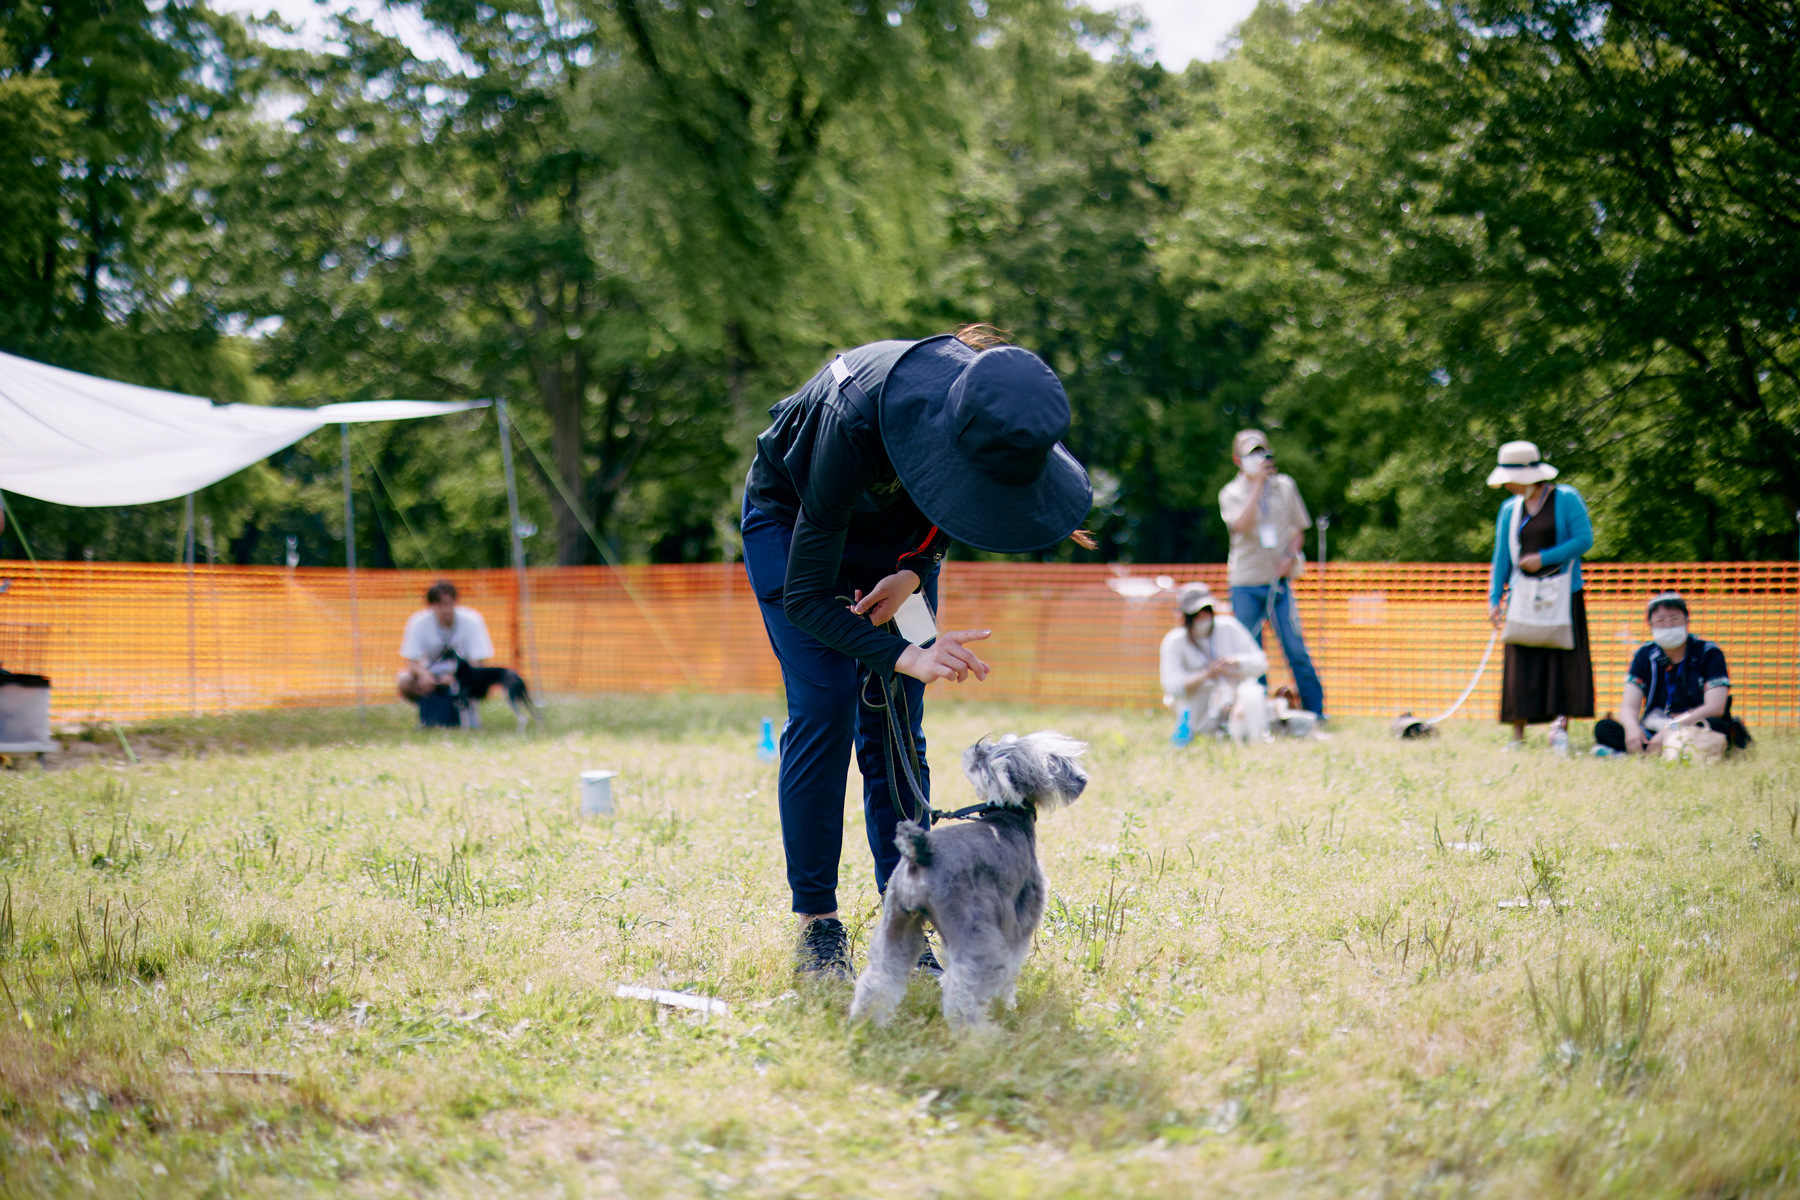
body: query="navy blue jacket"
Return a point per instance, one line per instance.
(823, 471)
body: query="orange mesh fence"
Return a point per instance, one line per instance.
(140, 640)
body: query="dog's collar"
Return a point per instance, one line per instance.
(975, 810)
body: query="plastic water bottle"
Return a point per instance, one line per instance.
(1559, 737)
(766, 751)
(1183, 732)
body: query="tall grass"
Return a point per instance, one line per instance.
(317, 955)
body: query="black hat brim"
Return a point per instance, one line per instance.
(977, 511)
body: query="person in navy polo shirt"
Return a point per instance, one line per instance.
(1675, 680)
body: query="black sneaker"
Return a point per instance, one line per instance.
(824, 951)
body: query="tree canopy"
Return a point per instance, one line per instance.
(1394, 233)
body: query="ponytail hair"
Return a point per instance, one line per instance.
(982, 336)
(1085, 540)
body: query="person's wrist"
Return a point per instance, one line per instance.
(908, 661)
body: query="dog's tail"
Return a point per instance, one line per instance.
(518, 695)
(913, 841)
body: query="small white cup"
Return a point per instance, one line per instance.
(597, 793)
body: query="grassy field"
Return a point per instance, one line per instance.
(313, 954)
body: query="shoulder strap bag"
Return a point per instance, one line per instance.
(1538, 607)
(860, 402)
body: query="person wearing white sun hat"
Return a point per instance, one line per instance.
(1542, 530)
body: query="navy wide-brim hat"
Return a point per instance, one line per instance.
(976, 438)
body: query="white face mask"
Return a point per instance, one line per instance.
(1202, 629)
(1669, 637)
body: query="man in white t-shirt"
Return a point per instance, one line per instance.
(436, 636)
(1205, 659)
(1268, 520)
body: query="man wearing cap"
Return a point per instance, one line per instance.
(858, 485)
(1676, 680)
(1268, 524)
(1204, 659)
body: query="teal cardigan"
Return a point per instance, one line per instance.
(1574, 538)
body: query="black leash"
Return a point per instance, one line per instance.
(900, 749)
(899, 738)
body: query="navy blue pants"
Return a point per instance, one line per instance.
(826, 718)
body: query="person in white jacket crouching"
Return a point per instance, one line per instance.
(1210, 667)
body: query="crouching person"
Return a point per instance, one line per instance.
(1206, 661)
(447, 648)
(1676, 681)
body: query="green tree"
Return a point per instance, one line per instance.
(625, 216)
(1060, 221)
(1460, 221)
(108, 112)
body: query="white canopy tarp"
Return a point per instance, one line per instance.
(80, 440)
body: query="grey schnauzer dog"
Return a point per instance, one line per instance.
(978, 882)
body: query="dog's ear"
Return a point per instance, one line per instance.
(1064, 777)
(983, 770)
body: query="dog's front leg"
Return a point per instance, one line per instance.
(899, 940)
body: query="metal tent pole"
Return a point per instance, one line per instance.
(522, 583)
(193, 664)
(350, 562)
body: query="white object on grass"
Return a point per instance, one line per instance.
(1249, 719)
(25, 720)
(687, 1000)
(1688, 744)
(597, 793)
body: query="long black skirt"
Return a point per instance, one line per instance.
(1541, 685)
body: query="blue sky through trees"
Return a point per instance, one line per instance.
(1180, 30)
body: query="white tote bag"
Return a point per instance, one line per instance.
(1537, 607)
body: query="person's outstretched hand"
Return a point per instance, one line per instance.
(947, 658)
(886, 597)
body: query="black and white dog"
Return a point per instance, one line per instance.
(978, 882)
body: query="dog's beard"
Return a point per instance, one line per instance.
(1040, 769)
